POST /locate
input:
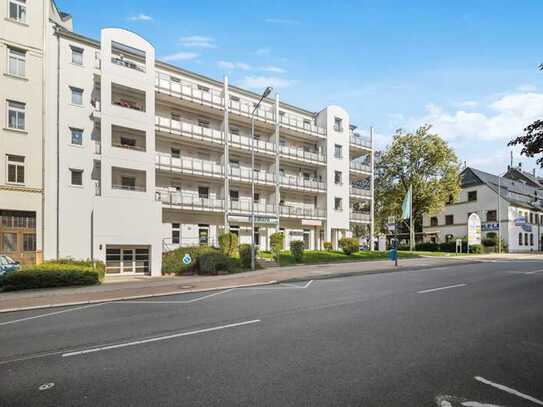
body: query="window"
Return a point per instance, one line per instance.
(338, 124)
(77, 136)
(77, 96)
(203, 123)
(76, 177)
(234, 98)
(520, 239)
(307, 123)
(10, 242)
(337, 177)
(29, 242)
(491, 216)
(525, 239)
(433, 221)
(203, 234)
(17, 10)
(234, 163)
(176, 153)
(256, 198)
(531, 239)
(16, 169)
(338, 204)
(338, 151)
(128, 183)
(203, 192)
(472, 196)
(16, 115)
(449, 219)
(127, 142)
(531, 217)
(16, 62)
(257, 236)
(203, 88)
(176, 233)
(77, 55)
(234, 195)
(175, 116)
(234, 130)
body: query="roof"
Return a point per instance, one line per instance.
(517, 173)
(511, 190)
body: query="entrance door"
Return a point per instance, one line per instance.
(127, 260)
(306, 239)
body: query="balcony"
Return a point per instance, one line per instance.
(127, 179)
(245, 207)
(244, 143)
(175, 87)
(126, 97)
(302, 183)
(244, 174)
(188, 201)
(187, 165)
(244, 107)
(360, 168)
(360, 192)
(126, 138)
(96, 111)
(358, 140)
(188, 130)
(301, 126)
(360, 217)
(302, 212)
(302, 154)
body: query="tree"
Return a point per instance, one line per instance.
(423, 160)
(532, 141)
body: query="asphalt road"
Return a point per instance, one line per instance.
(469, 335)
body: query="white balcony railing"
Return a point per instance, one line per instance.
(302, 212)
(302, 183)
(365, 193)
(360, 167)
(245, 107)
(136, 188)
(244, 206)
(359, 216)
(360, 141)
(188, 91)
(301, 125)
(300, 153)
(244, 174)
(245, 143)
(188, 130)
(127, 63)
(187, 165)
(188, 201)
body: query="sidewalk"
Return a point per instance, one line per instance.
(120, 288)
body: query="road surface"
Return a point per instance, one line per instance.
(462, 335)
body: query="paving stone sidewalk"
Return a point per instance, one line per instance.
(118, 288)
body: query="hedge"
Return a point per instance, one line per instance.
(51, 274)
(297, 250)
(327, 245)
(215, 262)
(172, 261)
(349, 245)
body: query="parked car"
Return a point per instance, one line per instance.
(8, 265)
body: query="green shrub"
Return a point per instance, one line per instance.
(172, 261)
(51, 274)
(214, 262)
(98, 266)
(327, 245)
(228, 242)
(245, 255)
(297, 250)
(277, 240)
(349, 245)
(489, 242)
(476, 249)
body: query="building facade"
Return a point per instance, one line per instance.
(509, 206)
(140, 157)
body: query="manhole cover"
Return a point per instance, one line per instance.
(46, 386)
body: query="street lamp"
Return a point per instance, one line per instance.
(265, 94)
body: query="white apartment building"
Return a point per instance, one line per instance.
(141, 157)
(511, 203)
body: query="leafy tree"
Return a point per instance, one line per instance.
(423, 160)
(532, 141)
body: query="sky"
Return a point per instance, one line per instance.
(468, 68)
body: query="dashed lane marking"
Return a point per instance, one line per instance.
(509, 390)
(431, 290)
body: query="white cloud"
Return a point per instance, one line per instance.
(274, 69)
(180, 56)
(260, 82)
(468, 103)
(140, 17)
(197, 41)
(263, 51)
(233, 65)
(527, 88)
(503, 118)
(281, 21)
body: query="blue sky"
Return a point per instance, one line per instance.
(467, 67)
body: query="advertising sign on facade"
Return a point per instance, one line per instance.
(490, 227)
(474, 229)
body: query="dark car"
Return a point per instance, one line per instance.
(8, 265)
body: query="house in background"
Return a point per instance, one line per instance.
(512, 203)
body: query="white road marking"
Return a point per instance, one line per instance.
(289, 287)
(159, 338)
(509, 390)
(176, 302)
(430, 290)
(534, 272)
(50, 314)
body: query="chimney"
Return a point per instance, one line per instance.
(533, 172)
